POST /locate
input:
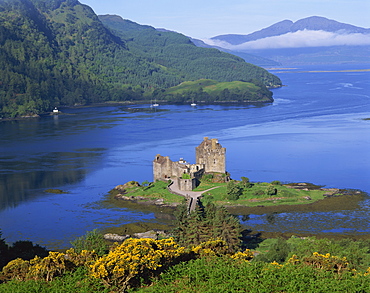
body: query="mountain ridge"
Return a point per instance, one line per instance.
(286, 26)
(312, 40)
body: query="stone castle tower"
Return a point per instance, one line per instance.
(212, 155)
(210, 158)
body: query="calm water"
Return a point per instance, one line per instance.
(313, 132)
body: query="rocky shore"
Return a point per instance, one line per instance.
(153, 234)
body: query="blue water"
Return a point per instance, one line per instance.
(313, 132)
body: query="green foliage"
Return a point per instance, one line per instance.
(234, 190)
(356, 252)
(71, 282)
(206, 223)
(164, 266)
(92, 240)
(246, 183)
(207, 177)
(271, 190)
(276, 182)
(223, 274)
(274, 250)
(185, 176)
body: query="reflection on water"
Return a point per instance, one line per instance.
(19, 178)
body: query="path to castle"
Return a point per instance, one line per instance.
(194, 195)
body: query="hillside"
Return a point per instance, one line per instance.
(176, 51)
(59, 53)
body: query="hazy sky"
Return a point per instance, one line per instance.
(208, 18)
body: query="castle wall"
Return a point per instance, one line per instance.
(187, 184)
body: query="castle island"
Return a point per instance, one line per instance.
(207, 179)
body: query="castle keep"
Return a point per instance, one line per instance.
(210, 158)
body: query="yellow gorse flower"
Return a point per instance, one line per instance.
(132, 257)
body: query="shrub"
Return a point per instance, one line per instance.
(246, 183)
(259, 192)
(93, 240)
(271, 190)
(327, 262)
(276, 182)
(207, 177)
(278, 250)
(135, 258)
(185, 176)
(233, 190)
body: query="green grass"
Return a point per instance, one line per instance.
(155, 191)
(256, 195)
(210, 86)
(251, 197)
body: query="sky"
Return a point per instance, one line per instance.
(203, 19)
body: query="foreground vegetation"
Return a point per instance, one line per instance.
(147, 265)
(208, 251)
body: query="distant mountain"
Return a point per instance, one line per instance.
(312, 40)
(60, 53)
(313, 23)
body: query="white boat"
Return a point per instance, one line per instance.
(193, 104)
(155, 104)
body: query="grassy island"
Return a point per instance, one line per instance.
(235, 193)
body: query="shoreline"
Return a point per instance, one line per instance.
(127, 103)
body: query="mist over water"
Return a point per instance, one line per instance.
(313, 132)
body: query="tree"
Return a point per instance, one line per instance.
(246, 183)
(92, 240)
(233, 190)
(206, 223)
(271, 190)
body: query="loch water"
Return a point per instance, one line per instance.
(314, 132)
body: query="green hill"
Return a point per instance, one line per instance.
(59, 53)
(208, 90)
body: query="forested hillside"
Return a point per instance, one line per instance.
(177, 51)
(58, 52)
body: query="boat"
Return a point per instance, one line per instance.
(193, 104)
(155, 104)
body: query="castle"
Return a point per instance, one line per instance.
(210, 158)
